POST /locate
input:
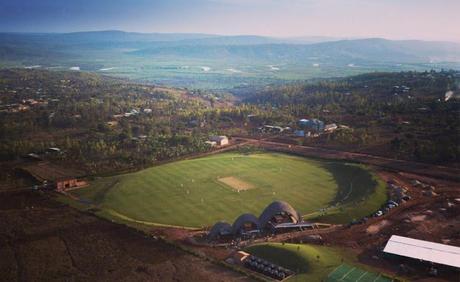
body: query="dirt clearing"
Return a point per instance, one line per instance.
(235, 183)
(375, 228)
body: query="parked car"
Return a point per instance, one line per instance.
(391, 202)
(378, 213)
(391, 206)
(406, 198)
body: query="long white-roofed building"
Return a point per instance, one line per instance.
(423, 250)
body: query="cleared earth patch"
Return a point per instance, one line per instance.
(235, 183)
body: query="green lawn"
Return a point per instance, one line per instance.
(315, 263)
(311, 262)
(187, 193)
(354, 199)
(349, 273)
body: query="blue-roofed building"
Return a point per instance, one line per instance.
(312, 124)
(299, 133)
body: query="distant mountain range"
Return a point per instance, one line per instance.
(180, 57)
(246, 47)
(352, 51)
(189, 38)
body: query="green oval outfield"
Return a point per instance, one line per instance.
(198, 192)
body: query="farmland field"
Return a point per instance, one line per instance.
(188, 193)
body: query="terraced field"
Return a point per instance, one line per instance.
(188, 193)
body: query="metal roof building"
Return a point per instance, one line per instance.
(276, 208)
(423, 250)
(219, 229)
(295, 225)
(244, 219)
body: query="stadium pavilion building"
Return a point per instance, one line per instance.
(277, 215)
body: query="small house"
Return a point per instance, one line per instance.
(303, 122)
(112, 123)
(312, 124)
(330, 127)
(33, 156)
(211, 143)
(273, 128)
(64, 184)
(53, 150)
(299, 133)
(220, 140)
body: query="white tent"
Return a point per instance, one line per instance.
(423, 250)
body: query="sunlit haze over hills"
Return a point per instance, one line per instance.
(391, 19)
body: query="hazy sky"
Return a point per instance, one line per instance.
(396, 19)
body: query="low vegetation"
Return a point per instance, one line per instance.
(400, 115)
(104, 125)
